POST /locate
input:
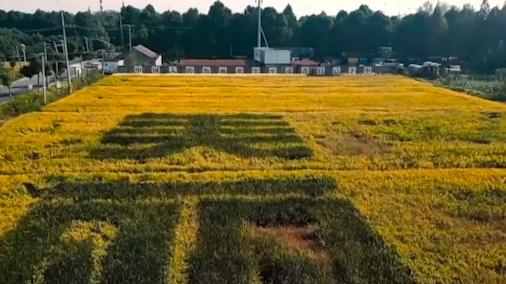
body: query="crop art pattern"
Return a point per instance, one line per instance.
(151, 135)
(124, 232)
(247, 179)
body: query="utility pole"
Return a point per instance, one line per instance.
(24, 52)
(57, 78)
(43, 55)
(121, 27)
(47, 62)
(129, 36)
(103, 60)
(87, 44)
(65, 48)
(18, 55)
(45, 52)
(259, 39)
(82, 67)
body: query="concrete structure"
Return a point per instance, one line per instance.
(270, 56)
(305, 66)
(112, 62)
(222, 66)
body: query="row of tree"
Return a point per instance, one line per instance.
(478, 36)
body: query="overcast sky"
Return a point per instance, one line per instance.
(301, 7)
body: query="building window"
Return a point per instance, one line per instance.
(206, 70)
(255, 70)
(273, 70)
(137, 69)
(289, 70)
(172, 69)
(304, 70)
(336, 70)
(223, 70)
(320, 71)
(352, 70)
(239, 70)
(367, 70)
(155, 69)
(190, 69)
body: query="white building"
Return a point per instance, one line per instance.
(111, 65)
(271, 56)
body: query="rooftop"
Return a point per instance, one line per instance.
(305, 62)
(146, 51)
(214, 62)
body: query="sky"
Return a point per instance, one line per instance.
(300, 7)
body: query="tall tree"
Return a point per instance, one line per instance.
(7, 76)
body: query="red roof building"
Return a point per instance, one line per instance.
(305, 63)
(214, 62)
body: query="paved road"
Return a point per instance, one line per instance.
(21, 86)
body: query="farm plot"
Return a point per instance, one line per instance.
(118, 231)
(225, 180)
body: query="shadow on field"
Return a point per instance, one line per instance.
(48, 247)
(116, 232)
(247, 135)
(356, 253)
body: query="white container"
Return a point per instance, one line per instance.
(270, 56)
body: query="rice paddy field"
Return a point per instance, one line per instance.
(244, 179)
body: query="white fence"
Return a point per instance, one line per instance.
(303, 70)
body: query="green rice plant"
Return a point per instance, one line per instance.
(137, 254)
(305, 184)
(280, 265)
(185, 236)
(150, 135)
(357, 253)
(78, 257)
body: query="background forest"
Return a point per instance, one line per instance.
(475, 36)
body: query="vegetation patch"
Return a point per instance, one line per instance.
(355, 179)
(304, 239)
(147, 136)
(105, 240)
(356, 253)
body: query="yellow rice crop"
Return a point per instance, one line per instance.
(423, 165)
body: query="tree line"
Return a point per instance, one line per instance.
(476, 36)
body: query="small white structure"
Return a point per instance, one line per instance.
(111, 65)
(367, 70)
(273, 70)
(76, 69)
(336, 70)
(190, 70)
(223, 70)
(352, 70)
(172, 69)
(255, 70)
(289, 70)
(320, 71)
(155, 69)
(239, 70)
(304, 70)
(206, 70)
(271, 56)
(137, 69)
